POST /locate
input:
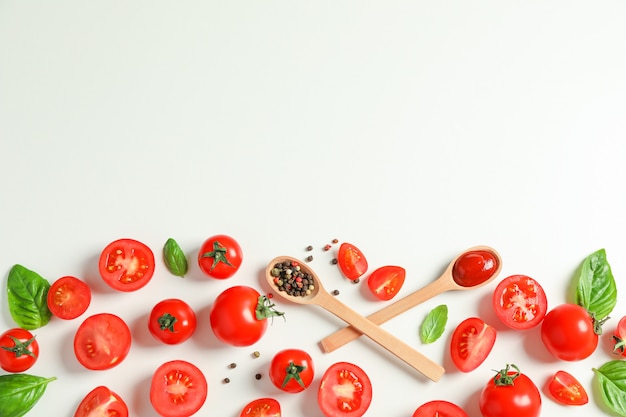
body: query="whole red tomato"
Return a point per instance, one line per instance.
(619, 337)
(510, 394)
(101, 401)
(291, 370)
(569, 332)
(239, 315)
(18, 350)
(172, 321)
(220, 256)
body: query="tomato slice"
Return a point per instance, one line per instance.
(102, 402)
(566, 389)
(351, 261)
(439, 408)
(178, 388)
(471, 343)
(386, 281)
(102, 341)
(68, 297)
(126, 264)
(261, 407)
(520, 302)
(345, 391)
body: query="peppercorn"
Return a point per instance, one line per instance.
(334, 261)
(226, 380)
(256, 354)
(232, 365)
(309, 248)
(335, 292)
(309, 258)
(335, 240)
(258, 376)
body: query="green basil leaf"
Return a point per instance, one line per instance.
(596, 290)
(174, 258)
(20, 392)
(434, 324)
(611, 378)
(27, 296)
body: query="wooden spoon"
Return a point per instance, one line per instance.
(442, 284)
(319, 296)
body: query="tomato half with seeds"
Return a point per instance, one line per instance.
(472, 341)
(345, 390)
(351, 261)
(619, 337)
(102, 341)
(569, 332)
(220, 256)
(566, 389)
(178, 388)
(19, 350)
(68, 297)
(386, 281)
(291, 370)
(101, 401)
(261, 407)
(126, 265)
(439, 408)
(520, 302)
(172, 321)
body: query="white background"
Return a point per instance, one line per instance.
(413, 129)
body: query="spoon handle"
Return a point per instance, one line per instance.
(412, 357)
(348, 334)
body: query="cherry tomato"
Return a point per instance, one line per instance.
(510, 394)
(18, 350)
(220, 256)
(520, 302)
(178, 388)
(351, 261)
(619, 337)
(569, 333)
(172, 321)
(102, 341)
(239, 315)
(474, 267)
(261, 407)
(345, 391)
(291, 370)
(126, 265)
(386, 281)
(439, 408)
(471, 343)
(566, 389)
(101, 401)
(68, 297)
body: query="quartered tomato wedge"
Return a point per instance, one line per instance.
(566, 389)
(471, 343)
(102, 341)
(386, 281)
(102, 402)
(351, 261)
(520, 302)
(439, 408)
(126, 264)
(261, 407)
(345, 391)
(178, 388)
(68, 297)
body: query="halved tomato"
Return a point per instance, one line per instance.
(178, 388)
(386, 281)
(68, 297)
(126, 264)
(351, 261)
(566, 389)
(261, 407)
(345, 391)
(102, 341)
(471, 343)
(520, 302)
(439, 408)
(101, 401)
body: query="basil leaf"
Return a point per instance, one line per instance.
(20, 392)
(611, 378)
(174, 258)
(434, 324)
(596, 290)
(27, 296)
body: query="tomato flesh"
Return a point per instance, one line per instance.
(386, 281)
(19, 350)
(102, 341)
(471, 343)
(178, 388)
(568, 332)
(102, 402)
(474, 268)
(566, 389)
(68, 297)
(261, 407)
(439, 408)
(126, 265)
(351, 261)
(345, 391)
(520, 302)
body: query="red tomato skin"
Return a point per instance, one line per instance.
(189, 394)
(261, 407)
(568, 333)
(68, 297)
(183, 327)
(233, 316)
(471, 343)
(126, 265)
(520, 302)
(9, 360)
(351, 261)
(102, 341)
(439, 408)
(566, 389)
(522, 399)
(619, 338)
(278, 370)
(101, 401)
(385, 282)
(344, 374)
(231, 251)
(474, 267)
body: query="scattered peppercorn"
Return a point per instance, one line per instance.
(226, 380)
(335, 240)
(309, 248)
(335, 292)
(256, 354)
(334, 261)
(258, 376)
(356, 281)
(232, 365)
(309, 258)
(327, 247)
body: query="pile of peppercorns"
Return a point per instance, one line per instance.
(289, 277)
